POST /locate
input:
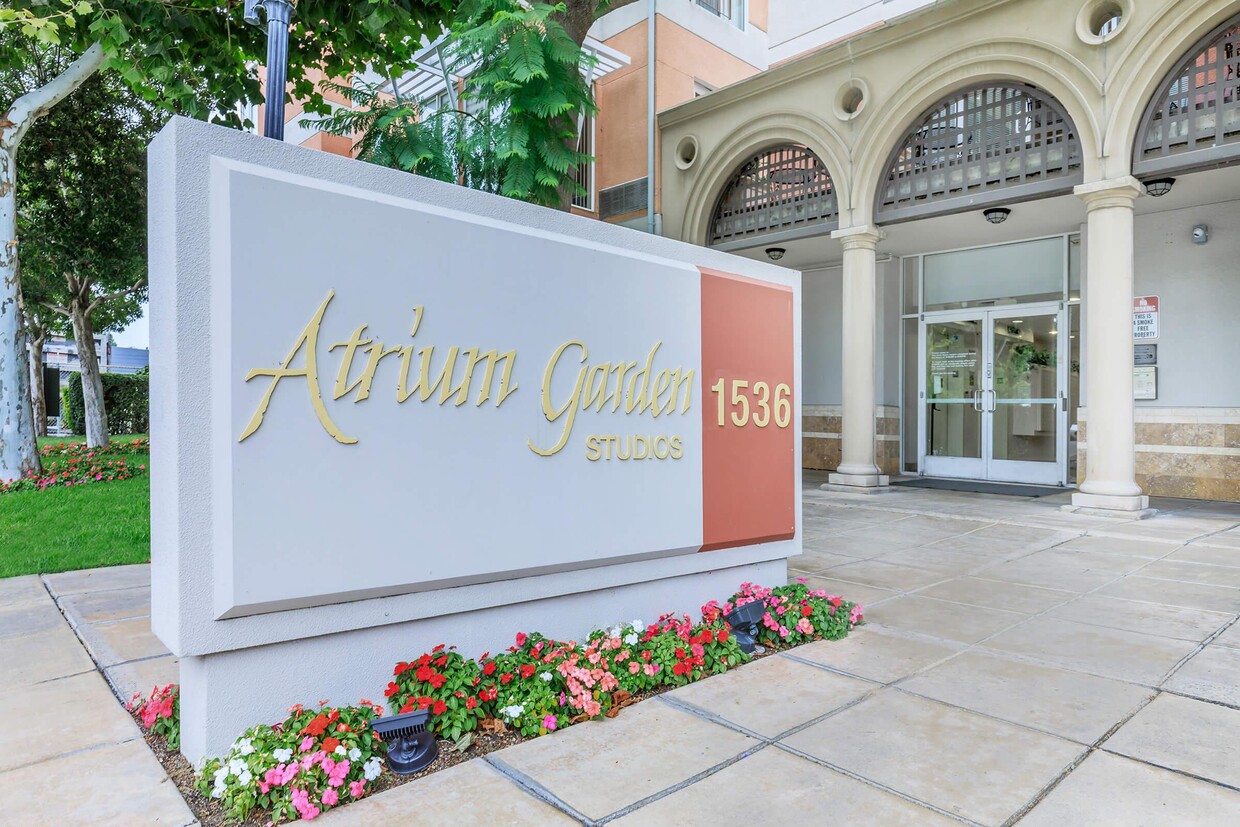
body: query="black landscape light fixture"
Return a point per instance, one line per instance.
(279, 13)
(1159, 186)
(410, 742)
(744, 621)
(997, 215)
(775, 253)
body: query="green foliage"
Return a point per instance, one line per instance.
(524, 78)
(197, 57)
(126, 399)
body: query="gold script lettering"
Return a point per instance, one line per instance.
(309, 339)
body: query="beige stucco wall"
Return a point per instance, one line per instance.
(907, 67)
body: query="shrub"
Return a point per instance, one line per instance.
(125, 398)
(309, 763)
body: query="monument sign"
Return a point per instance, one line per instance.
(388, 412)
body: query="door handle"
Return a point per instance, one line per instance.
(977, 400)
(994, 402)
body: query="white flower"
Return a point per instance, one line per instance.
(236, 766)
(546, 676)
(631, 638)
(372, 768)
(340, 750)
(245, 778)
(613, 631)
(638, 625)
(512, 712)
(217, 792)
(245, 746)
(355, 754)
(220, 775)
(282, 755)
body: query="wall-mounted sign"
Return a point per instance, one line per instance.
(1145, 354)
(1145, 383)
(1144, 317)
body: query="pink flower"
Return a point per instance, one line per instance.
(805, 627)
(549, 723)
(651, 669)
(521, 638)
(306, 743)
(357, 788)
(698, 650)
(634, 667)
(337, 774)
(330, 797)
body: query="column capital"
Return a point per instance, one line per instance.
(1111, 192)
(864, 237)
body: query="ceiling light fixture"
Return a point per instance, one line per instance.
(1159, 186)
(775, 253)
(997, 215)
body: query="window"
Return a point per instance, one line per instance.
(780, 188)
(733, 10)
(585, 172)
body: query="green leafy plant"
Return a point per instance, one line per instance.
(160, 714)
(126, 398)
(310, 762)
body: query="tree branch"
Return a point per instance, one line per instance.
(37, 102)
(56, 308)
(107, 297)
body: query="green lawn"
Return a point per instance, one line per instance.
(104, 524)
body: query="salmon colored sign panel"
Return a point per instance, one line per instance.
(748, 430)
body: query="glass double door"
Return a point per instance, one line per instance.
(994, 394)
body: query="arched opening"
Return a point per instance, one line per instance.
(777, 193)
(1193, 122)
(982, 145)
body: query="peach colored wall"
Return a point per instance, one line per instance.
(335, 144)
(758, 13)
(682, 57)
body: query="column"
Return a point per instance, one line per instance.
(858, 468)
(1110, 434)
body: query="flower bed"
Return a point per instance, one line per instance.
(69, 464)
(314, 761)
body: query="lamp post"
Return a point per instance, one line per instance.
(279, 13)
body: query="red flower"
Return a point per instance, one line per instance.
(680, 653)
(318, 725)
(836, 601)
(439, 708)
(407, 706)
(438, 648)
(471, 703)
(391, 690)
(521, 638)
(424, 673)
(707, 636)
(400, 667)
(806, 610)
(505, 678)
(441, 661)
(437, 679)
(330, 744)
(489, 669)
(722, 637)
(527, 670)
(646, 655)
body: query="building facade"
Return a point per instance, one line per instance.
(1017, 221)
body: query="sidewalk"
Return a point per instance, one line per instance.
(73, 755)
(1019, 665)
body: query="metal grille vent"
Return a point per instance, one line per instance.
(622, 198)
(1196, 110)
(779, 188)
(980, 141)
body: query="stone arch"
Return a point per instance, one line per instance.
(1056, 74)
(1192, 119)
(721, 162)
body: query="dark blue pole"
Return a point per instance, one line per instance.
(279, 13)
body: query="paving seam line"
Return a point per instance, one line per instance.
(876, 785)
(1211, 781)
(82, 750)
(533, 788)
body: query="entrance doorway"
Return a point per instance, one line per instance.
(994, 392)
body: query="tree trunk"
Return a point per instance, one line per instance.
(92, 379)
(19, 453)
(38, 392)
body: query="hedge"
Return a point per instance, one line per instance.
(125, 398)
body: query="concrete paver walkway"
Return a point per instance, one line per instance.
(72, 754)
(1020, 665)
